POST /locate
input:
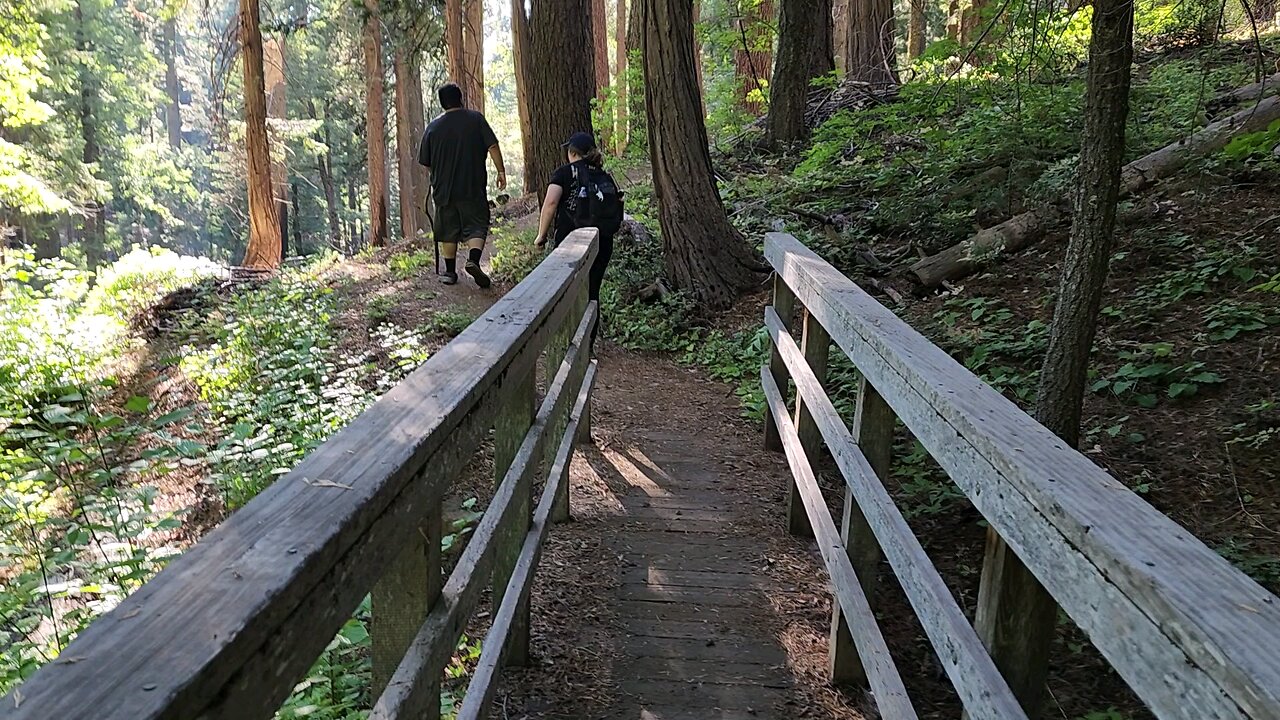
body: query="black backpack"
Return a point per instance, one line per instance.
(598, 201)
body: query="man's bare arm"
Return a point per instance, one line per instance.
(495, 154)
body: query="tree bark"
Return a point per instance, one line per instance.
(263, 250)
(967, 257)
(953, 20)
(840, 34)
(703, 253)
(916, 30)
(623, 132)
(273, 70)
(48, 242)
(753, 56)
(520, 56)
(93, 234)
(297, 226)
(801, 58)
(872, 57)
(324, 165)
(172, 110)
(417, 128)
(637, 117)
(473, 53)
(453, 23)
(355, 233)
(406, 146)
(697, 58)
(1021, 650)
(375, 132)
(561, 81)
(600, 46)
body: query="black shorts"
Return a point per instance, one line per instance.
(462, 220)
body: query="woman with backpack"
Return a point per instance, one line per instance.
(581, 194)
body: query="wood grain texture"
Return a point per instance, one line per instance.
(882, 675)
(258, 599)
(975, 677)
(784, 304)
(1192, 635)
(816, 345)
(483, 682)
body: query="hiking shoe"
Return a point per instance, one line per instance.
(473, 269)
(449, 278)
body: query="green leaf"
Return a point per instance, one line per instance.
(174, 416)
(1147, 401)
(138, 404)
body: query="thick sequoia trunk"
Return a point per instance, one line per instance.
(600, 46)
(93, 234)
(473, 53)
(637, 117)
(375, 133)
(561, 81)
(406, 146)
(263, 250)
(840, 34)
(273, 71)
(967, 257)
(871, 53)
(753, 56)
(620, 83)
(916, 30)
(1017, 619)
(520, 56)
(417, 128)
(453, 22)
(703, 252)
(801, 58)
(172, 109)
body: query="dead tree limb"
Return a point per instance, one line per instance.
(966, 257)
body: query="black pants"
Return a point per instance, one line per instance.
(595, 277)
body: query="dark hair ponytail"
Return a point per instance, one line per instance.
(594, 158)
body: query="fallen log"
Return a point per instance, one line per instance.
(966, 257)
(1249, 92)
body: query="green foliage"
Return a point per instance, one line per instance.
(1152, 368)
(514, 255)
(1255, 144)
(410, 264)
(135, 281)
(450, 323)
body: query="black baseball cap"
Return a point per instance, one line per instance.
(583, 142)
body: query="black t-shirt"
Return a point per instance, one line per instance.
(454, 147)
(563, 176)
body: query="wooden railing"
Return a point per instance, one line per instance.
(1191, 635)
(229, 628)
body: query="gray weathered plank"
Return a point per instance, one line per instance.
(816, 345)
(1192, 635)
(749, 650)
(980, 686)
(784, 301)
(882, 674)
(484, 678)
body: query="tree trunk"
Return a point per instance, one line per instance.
(801, 58)
(375, 132)
(561, 80)
(600, 46)
(406, 146)
(172, 110)
(520, 55)
(417, 128)
(973, 20)
(703, 253)
(473, 53)
(263, 250)
(620, 83)
(697, 59)
(355, 234)
(324, 164)
(840, 34)
(297, 224)
(1019, 648)
(753, 55)
(453, 23)
(916, 30)
(967, 257)
(638, 118)
(872, 57)
(48, 242)
(273, 70)
(93, 237)
(953, 20)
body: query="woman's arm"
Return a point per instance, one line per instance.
(554, 193)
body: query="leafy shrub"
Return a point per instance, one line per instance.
(407, 265)
(143, 276)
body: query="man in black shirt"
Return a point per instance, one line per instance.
(453, 150)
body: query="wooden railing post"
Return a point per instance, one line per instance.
(815, 343)
(556, 353)
(873, 427)
(784, 300)
(401, 600)
(513, 423)
(1017, 620)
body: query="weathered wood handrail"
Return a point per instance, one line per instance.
(1194, 637)
(230, 627)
